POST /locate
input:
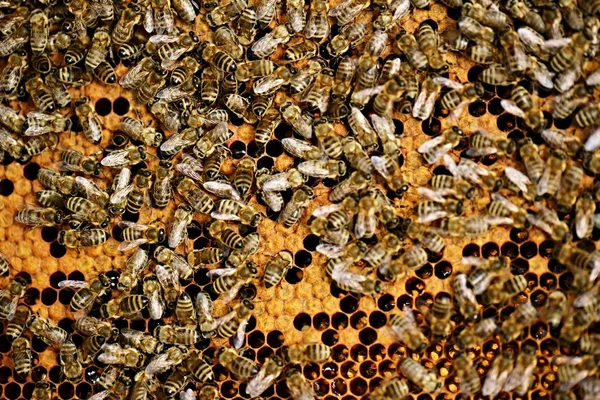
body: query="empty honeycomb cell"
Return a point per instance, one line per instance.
(532, 280)
(265, 162)
(311, 242)
(103, 107)
(528, 249)
(329, 370)
(538, 298)
(516, 135)
(275, 339)
(302, 322)
(339, 387)
(256, 339)
(377, 319)
(519, 266)
(490, 249)
(556, 267)
(321, 321)
(27, 390)
(274, 148)
(433, 257)
(32, 295)
(358, 353)
(506, 122)
(443, 270)
(404, 301)
(252, 150)
(431, 127)
(349, 304)
(121, 106)
(414, 286)
(55, 374)
(12, 391)
(474, 71)
(510, 250)
(339, 321)
(565, 281)
(471, 250)
(229, 389)
(321, 387)
(37, 345)
(494, 107)
(477, 109)
(6, 187)
(302, 258)
(66, 390)
(548, 281)
(368, 369)
(57, 250)
(5, 374)
(66, 324)
(358, 386)
(49, 233)
(311, 371)
(282, 389)
(386, 302)
(539, 330)
(367, 336)
(425, 272)
(563, 123)
(30, 171)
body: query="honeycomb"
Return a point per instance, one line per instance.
(305, 307)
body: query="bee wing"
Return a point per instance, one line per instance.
(189, 171)
(593, 79)
(379, 165)
(314, 168)
(460, 283)
(177, 233)
(530, 37)
(369, 92)
(511, 107)
(132, 334)
(238, 341)
(276, 183)
(132, 225)
(172, 93)
(519, 377)
(451, 166)
(545, 78)
(229, 296)
(472, 261)
(324, 211)
(330, 250)
(134, 77)
(482, 151)
(410, 316)
(72, 284)
(593, 141)
(267, 84)
(110, 358)
(544, 182)
(158, 364)
(434, 216)
(179, 263)
(161, 39)
(583, 220)
(533, 220)
(556, 43)
(168, 62)
(166, 278)
(126, 246)
(222, 189)
(273, 200)
(148, 19)
(436, 195)
(119, 196)
(63, 166)
(554, 138)
(337, 10)
(384, 126)
(174, 142)
(499, 198)
(116, 159)
(220, 272)
(156, 307)
(349, 279)
(295, 146)
(100, 395)
(365, 222)
(204, 304)
(12, 309)
(95, 128)
(187, 395)
(574, 380)
(595, 267)
(224, 216)
(518, 178)
(430, 144)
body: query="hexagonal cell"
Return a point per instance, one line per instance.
(330, 337)
(339, 353)
(302, 322)
(339, 321)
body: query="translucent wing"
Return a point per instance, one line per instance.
(126, 246)
(349, 279)
(229, 296)
(384, 126)
(121, 195)
(273, 200)
(437, 195)
(593, 141)
(276, 183)
(337, 10)
(473, 261)
(187, 395)
(544, 182)
(314, 168)
(451, 166)
(324, 211)
(72, 284)
(156, 307)
(510, 107)
(430, 144)
(221, 272)
(482, 151)
(499, 198)
(172, 93)
(448, 83)
(134, 77)
(204, 304)
(434, 216)
(116, 159)
(556, 43)
(379, 165)
(583, 221)
(222, 189)
(158, 39)
(100, 395)
(177, 233)
(330, 250)
(238, 341)
(518, 178)
(132, 334)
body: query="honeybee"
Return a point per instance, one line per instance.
(502, 207)
(35, 216)
(225, 13)
(585, 209)
(427, 380)
(294, 209)
(465, 297)
(428, 238)
(51, 179)
(498, 374)
(99, 49)
(569, 188)
(555, 308)
(521, 377)
(482, 143)
(134, 266)
(22, 357)
(547, 220)
(115, 354)
(470, 383)
(42, 391)
(277, 268)
(235, 323)
(267, 375)
(118, 159)
(305, 353)
(138, 73)
(124, 28)
(299, 387)
(504, 289)
(184, 310)
(345, 12)
(16, 326)
(154, 295)
(40, 94)
(168, 277)
(317, 96)
(266, 46)
(198, 199)
(137, 131)
(231, 280)
(212, 140)
(317, 26)
(13, 72)
(475, 335)
(299, 122)
(439, 317)
(523, 316)
(176, 261)
(11, 119)
(47, 331)
(572, 370)
(238, 256)
(199, 368)
(135, 235)
(238, 365)
(485, 271)
(14, 42)
(405, 329)
(434, 149)
(87, 293)
(90, 347)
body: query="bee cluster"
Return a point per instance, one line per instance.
(341, 92)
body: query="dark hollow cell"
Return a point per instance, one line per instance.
(31, 171)
(6, 187)
(103, 107)
(121, 106)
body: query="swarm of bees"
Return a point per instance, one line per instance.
(335, 78)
